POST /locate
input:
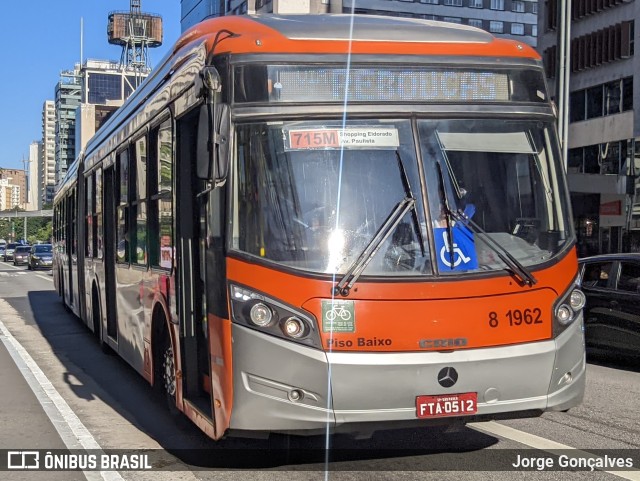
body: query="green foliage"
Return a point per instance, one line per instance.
(38, 228)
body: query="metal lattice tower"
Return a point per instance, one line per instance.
(136, 32)
(134, 54)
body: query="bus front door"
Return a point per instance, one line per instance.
(109, 199)
(190, 210)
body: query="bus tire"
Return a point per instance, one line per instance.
(165, 383)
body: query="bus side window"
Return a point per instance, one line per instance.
(160, 194)
(97, 217)
(122, 235)
(139, 203)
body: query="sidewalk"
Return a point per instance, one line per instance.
(23, 423)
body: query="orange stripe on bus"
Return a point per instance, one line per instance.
(263, 39)
(221, 361)
(427, 315)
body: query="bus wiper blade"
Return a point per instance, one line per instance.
(516, 267)
(444, 205)
(343, 287)
(409, 194)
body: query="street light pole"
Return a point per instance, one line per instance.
(13, 225)
(26, 198)
(563, 73)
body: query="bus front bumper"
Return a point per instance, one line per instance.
(285, 387)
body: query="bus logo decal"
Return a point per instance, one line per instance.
(447, 377)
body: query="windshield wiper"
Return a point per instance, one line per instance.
(409, 194)
(343, 287)
(460, 192)
(444, 206)
(516, 267)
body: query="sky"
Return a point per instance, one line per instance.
(41, 38)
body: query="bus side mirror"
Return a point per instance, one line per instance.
(212, 156)
(205, 153)
(208, 85)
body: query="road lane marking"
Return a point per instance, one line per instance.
(73, 433)
(11, 265)
(45, 278)
(543, 444)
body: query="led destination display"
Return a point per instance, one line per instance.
(329, 84)
(415, 84)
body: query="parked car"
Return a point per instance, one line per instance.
(21, 255)
(611, 284)
(8, 252)
(2, 249)
(41, 256)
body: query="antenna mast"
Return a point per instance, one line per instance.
(136, 32)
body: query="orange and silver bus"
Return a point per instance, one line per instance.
(331, 223)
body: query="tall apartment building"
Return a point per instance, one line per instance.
(47, 170)
(68, 95)
(604, 119)
(105, 87)
(9, 194)
(34, 190)
(13, 185)
(105, 83)
(96, 86)
(516, 19)
(194, 11)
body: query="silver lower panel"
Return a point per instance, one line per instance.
(381, 388)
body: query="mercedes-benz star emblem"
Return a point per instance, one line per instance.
(447, 377)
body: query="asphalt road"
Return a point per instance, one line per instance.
(81, 398)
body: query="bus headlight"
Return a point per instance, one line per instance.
(567, 308)
(293, 327)
(564, 314)
(260, 314)
(577, 299)
(271, 316)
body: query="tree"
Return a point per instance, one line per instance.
(38, 228)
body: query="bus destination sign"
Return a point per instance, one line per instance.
(296, 84)
(337, 138)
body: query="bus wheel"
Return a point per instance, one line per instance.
(169, 371)
(166, 380)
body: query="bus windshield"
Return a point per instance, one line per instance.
(313, 195)
(505, 179)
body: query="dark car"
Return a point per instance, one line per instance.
(21, 255)
(611, 283)
(41, 256)
(8, 252)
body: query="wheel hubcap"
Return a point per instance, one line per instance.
(169, 372)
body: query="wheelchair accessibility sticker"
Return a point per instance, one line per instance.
(458, 254)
